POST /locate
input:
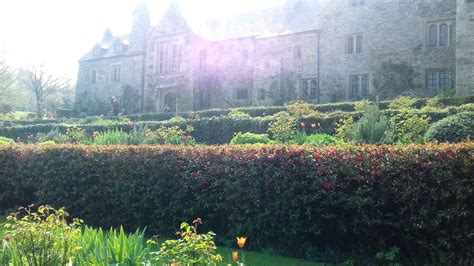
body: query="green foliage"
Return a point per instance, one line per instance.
(361, 105)
(41, 237)
(408, 127)
(402, 102)
(171, 135)
(432, 104)
(46, 143)
(388, 258)
(403, 194)
(371, 127)
(393, 79)
(455, 128)
(237, 114)
(7, 140)
(250, 138)
(301, 109)
(283, 127)
(448, 94)
(136, 136)
(191, 249)
(177, 119)
(114, 247)
(322, 139)
(343, 127)
(75, 135)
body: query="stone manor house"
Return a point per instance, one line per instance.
(302, 50)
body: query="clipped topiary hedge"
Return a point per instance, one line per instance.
(297, 200)
(455, 128)
(207, 130)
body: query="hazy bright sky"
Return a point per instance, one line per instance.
(58, 32)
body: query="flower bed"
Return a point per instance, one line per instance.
(297, 200)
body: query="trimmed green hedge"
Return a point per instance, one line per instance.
(207, 130)
(455, 128)
(296, 200)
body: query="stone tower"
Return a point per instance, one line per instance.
(140, 28)
(465, 47)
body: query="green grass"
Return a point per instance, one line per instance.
(17, 116)
(260, 259)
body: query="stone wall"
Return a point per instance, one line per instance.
(465, 48)
(392, 31)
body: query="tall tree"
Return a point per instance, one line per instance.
(7, 78)
(42, 84)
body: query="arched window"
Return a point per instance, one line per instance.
(350, 45)
(443, 35)
(261, 94)
(170, 103)
(298, 53)
(314, 89)
(433, 32)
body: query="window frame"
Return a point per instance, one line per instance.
(116, 74)
(359, 86)
(439, 79)
(238, 95)
(354, 43)
(440, 34)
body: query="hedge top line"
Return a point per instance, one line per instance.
(259, 111)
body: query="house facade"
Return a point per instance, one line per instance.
(319, 52)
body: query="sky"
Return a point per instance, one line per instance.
(57, 33)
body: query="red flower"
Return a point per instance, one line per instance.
(7, 238)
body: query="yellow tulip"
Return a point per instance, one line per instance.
(241, 241)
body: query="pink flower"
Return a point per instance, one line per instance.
(302, 124)
(328, 185)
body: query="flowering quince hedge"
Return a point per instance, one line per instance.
(295, 199)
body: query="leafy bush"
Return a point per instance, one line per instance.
(371, 127)
(416, 197)
(455, 128)
(250, 138)
(237, 114)
(171, 135)
(42, 237)
(300, 109)
(402, 102)
(322, 139)
(283, 128)
(49, 142)
(408, 127)
(191, 249)
(6, 140)
(114, 247)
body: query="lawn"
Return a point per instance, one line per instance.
(255, 258)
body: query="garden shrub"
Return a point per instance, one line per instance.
(237, 114)
(191, 249)
(455, 128)
(283, 127)
(371, 128)
(250, 138)
(295, 200)
(321, 139)
(4, 140)
(40, 237)
(408, 127)
(402, 102)
(300, 109)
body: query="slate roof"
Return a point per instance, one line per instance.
(108, 47)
